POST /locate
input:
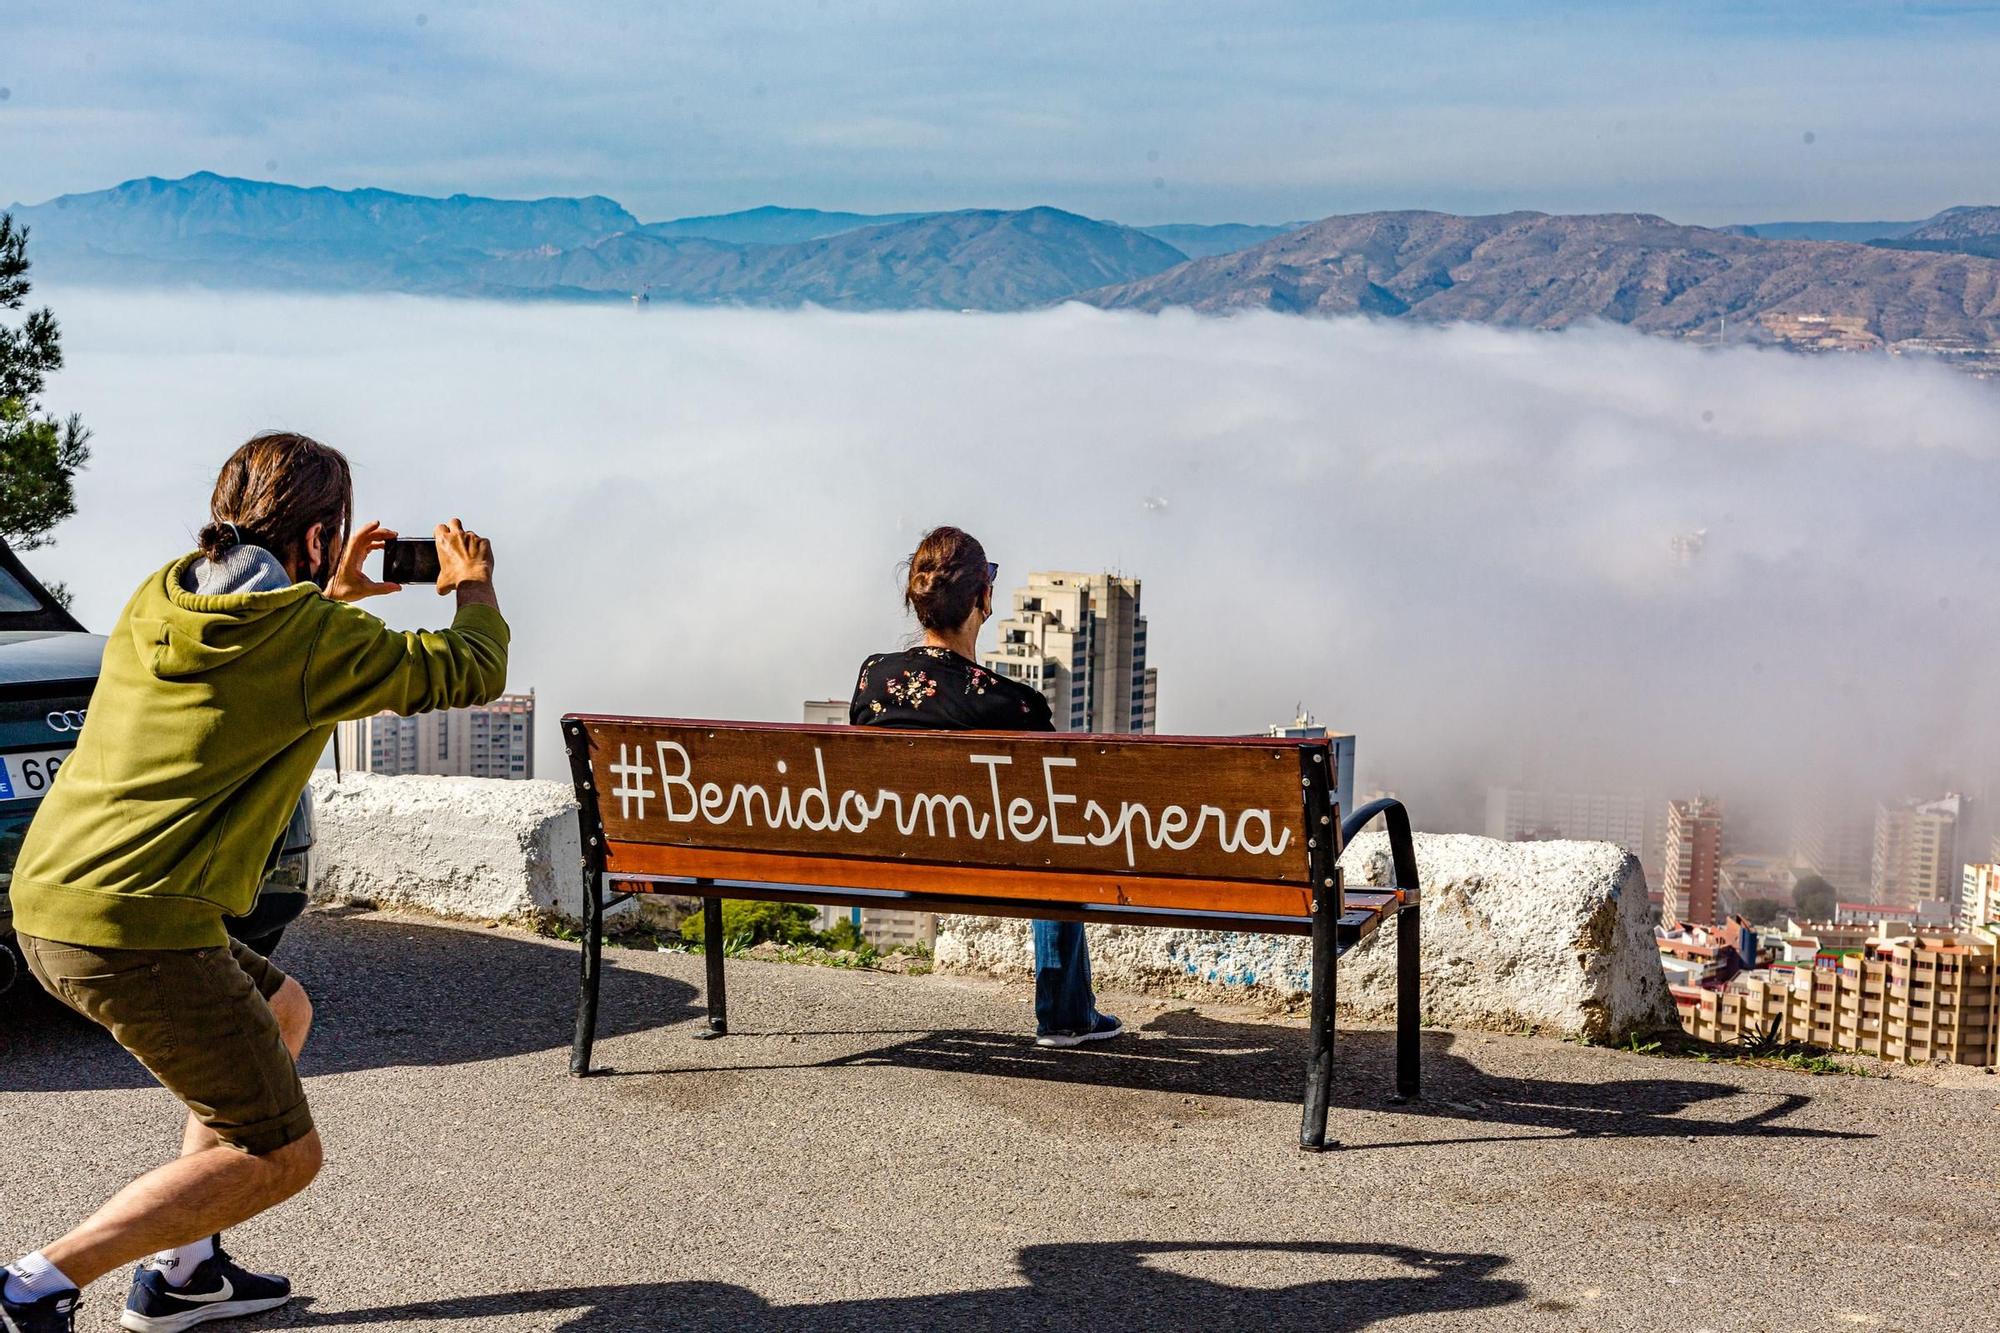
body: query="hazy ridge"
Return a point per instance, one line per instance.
(1932, 285)
(1534, 270)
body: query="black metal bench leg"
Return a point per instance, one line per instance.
(593, 957)
(718, 996)
(1319, 1054)
(1409, 1004)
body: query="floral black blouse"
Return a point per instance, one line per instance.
(936, 689)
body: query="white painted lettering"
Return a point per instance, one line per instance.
(1172, 820)
(1019, 812)
(669, 781)
(993, 763)
(1049, 766)
(816, 806)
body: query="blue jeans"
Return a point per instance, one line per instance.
(1063, 999)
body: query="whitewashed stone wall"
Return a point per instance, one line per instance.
(462, 847)
(1553, 935)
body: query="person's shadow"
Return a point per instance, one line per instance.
(387, 991)
(1103, 1286)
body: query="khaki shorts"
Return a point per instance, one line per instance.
(200, 1021)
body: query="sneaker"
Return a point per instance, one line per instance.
(1107, 1027)
(54, 1313)
(219, 1288)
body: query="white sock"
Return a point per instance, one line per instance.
(31, 1277)
(180, 1262)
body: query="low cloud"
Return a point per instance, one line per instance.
(1454, 542)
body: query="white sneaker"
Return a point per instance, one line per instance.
(1107, 1027)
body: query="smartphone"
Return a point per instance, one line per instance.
(410, 560)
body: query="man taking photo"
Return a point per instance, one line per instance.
(221, 684)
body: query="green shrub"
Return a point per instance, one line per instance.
(747, 923)
(844, 935)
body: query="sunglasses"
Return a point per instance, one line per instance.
(992, 572)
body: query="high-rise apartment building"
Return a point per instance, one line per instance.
(1692, 858)
(1916, 850)
(1834, 838)
(1979, 897)
(1524, 814)
(1080, 640)
(1745, 878)
(1305, 727)
(495, 740)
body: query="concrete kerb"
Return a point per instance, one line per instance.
(1552, 936)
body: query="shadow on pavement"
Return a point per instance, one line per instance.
(1107, 1287)
(392, 992)
(1190, 1053)
(386, 992)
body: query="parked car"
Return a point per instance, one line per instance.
(48, 667)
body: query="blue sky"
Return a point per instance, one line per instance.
(1145, 112)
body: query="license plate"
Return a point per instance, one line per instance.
(26, 776)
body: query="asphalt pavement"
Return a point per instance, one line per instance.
(868, 1151)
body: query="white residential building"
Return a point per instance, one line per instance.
(1916, 851)
(1521, 814)
(1979, 898)
(1080, 640)
(1833, 838)
(495, 740)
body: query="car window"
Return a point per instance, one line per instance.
(13, 597)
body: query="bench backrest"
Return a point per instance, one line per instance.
(1242, 826)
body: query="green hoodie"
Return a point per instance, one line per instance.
(208, 717)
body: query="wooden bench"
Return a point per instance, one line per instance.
(1212, 834)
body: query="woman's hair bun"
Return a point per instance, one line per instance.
(946, 578)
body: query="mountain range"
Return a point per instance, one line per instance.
(1534, 270)
(215, 231)
(1930, 284)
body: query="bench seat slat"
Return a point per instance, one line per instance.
(1102, 914)
(1355, 925)
(1054, 887)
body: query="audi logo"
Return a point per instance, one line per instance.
(71, 720)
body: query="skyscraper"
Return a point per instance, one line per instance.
(1523, 814)
(496, 740)
(1979, 899)
(1834, 839)
(1693, 860)
(1304, 726)
(1916, 850)
(1080, 640)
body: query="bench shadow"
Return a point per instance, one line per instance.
(393, 992)
(1193, 1054)
(1104, 1286)
(387, 992)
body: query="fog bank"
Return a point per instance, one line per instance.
(1454, 542)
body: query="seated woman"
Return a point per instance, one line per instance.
(940, 685)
